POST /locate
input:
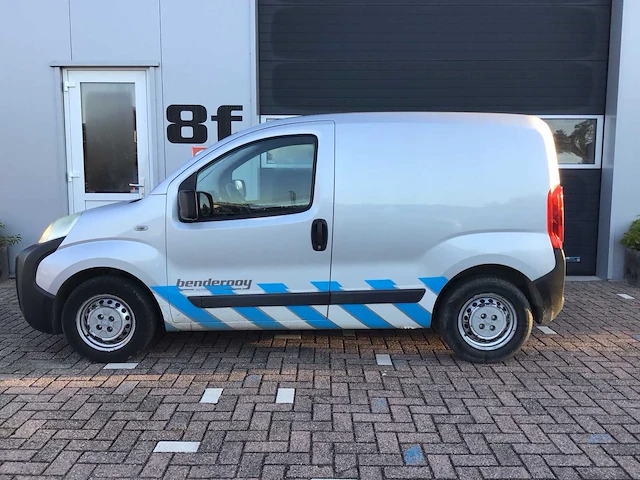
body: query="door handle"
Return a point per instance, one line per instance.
(138, 185)
(319, 234)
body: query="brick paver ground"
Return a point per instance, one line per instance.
(567, 406)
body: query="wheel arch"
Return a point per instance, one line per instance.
(76, 279)
(517, 278)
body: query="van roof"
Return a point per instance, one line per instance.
(409, 117)
(466, 118)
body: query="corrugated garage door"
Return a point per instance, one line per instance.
(546, 57)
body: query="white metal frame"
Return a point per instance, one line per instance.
(253, 54)
(267, 118)
(144, 98)
(599, 136)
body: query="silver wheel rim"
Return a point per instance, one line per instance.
(105, 322)
(487, 321)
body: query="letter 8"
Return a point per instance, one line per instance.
(174, 129)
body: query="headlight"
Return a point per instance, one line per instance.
(59, 228)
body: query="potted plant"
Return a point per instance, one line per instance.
(631, 240)
(5, 242)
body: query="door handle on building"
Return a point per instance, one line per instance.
(139, 185)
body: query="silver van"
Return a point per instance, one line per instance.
(452, 221)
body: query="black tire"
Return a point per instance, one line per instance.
(143, 324)
(457, 300)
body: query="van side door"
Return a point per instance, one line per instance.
(261, 237)
(383, 225)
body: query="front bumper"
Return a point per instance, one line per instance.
(36, 304)
(549, 290)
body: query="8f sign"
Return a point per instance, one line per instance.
(193, 127)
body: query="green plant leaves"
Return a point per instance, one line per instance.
(6, 240)
(631, 238)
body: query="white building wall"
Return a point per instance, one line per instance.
(32, 173)
(207, 61)
(620, 194)
(115, 31)
(198, 52)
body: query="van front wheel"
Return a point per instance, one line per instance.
(486, 320)
(108, 319)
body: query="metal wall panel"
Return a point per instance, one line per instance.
(206, 64)
(32, 168)
(524, 56)
(512, 56)
(115, 30)
(582, 201)
(621, 160)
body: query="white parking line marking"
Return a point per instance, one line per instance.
(383, 359)
(177, 447)
(625, 296)
(288, 336)
(547, 330)
(211, 395)
(121, 366)
(600, 438)
(285, 395)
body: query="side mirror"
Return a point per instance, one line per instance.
(187, 206)
(205, 204)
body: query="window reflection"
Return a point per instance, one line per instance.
(109, 137)
(269, 177)
(575, 139)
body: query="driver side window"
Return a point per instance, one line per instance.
(268, 177)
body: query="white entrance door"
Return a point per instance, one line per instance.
(107, 137)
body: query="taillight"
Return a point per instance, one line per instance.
(555, 216)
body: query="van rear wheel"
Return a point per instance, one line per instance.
(486, 320)
(109, 319)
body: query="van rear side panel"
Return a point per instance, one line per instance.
(431, 195)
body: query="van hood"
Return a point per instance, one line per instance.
(133, 220)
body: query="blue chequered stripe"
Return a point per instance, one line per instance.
(315, 319)
(305, 312)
